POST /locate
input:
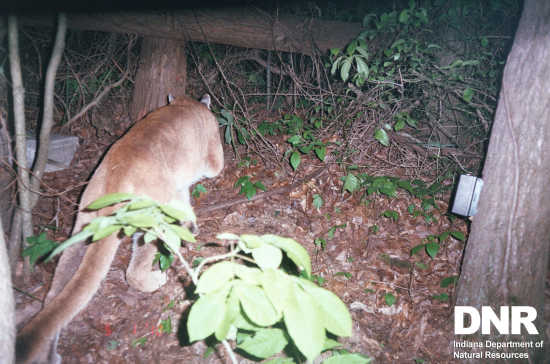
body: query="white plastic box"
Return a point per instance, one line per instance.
(60, 153)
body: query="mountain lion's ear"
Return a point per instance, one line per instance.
(205, 99)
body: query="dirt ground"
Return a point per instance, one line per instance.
(366, 257)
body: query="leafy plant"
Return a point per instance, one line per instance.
(261, 306)
(38, 247)
(199, 188)
(247, 187)
(434, 242)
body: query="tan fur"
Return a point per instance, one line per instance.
(161, 156)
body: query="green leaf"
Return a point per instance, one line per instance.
(215, 277)
(278, 288)
(351, 183)
(382, 137)
(468, 94)
(38, 246)
(295, 159)
(179, 210)
(317, 201)
(256, 305)
(432, 249)
(205, 316)
(249, 275)
(138, 220)
(417, 248)
(297, 253)
(304, 324)
(232, 311)
(183, 233)
(404, 16)
(320, 152)
(362, 67)
(446, 282)
(252, 241)
(140, 203)
(170, 238)
(400, 124)
(295, 139)
(390, 299)
(106, 231)
(334, 313)
(264, 343)
(458, 235)
(199, 188)
(267, 256)
(344, 71)
(110, 199)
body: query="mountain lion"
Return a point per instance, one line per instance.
(160, 156)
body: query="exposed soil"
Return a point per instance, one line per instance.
(366, 257)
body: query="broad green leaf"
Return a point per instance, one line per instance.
(182, 232)
(267, 256)
(205, 316)
(404, 16)
(232, 309)
(179, 210)
(170, 238)
(109, 199)
(106, 231)
(277, 286)
(351, 183)
(334, 313)
(362, 67)
(256, 305)
(140, 203)
(382, 137)
(139, 220)
(252, 241)
(215, 277)
(344, 71)
(335, 65)
(248, 274)
(129, 230)
(331, 344)
(38, 246)
(468, 94)
(417, 248)
(458, 235)
(264, 343)
(317, 201)
(295, 139)
(400, 124)
(320, 152)
(295, 159)
(297, 253)
(349, 358)
(432, 249)
(446, 282)
(304, 324)
(390, 299)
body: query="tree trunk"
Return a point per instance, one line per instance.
(242, 27)
(162, 71)
(506, 257)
